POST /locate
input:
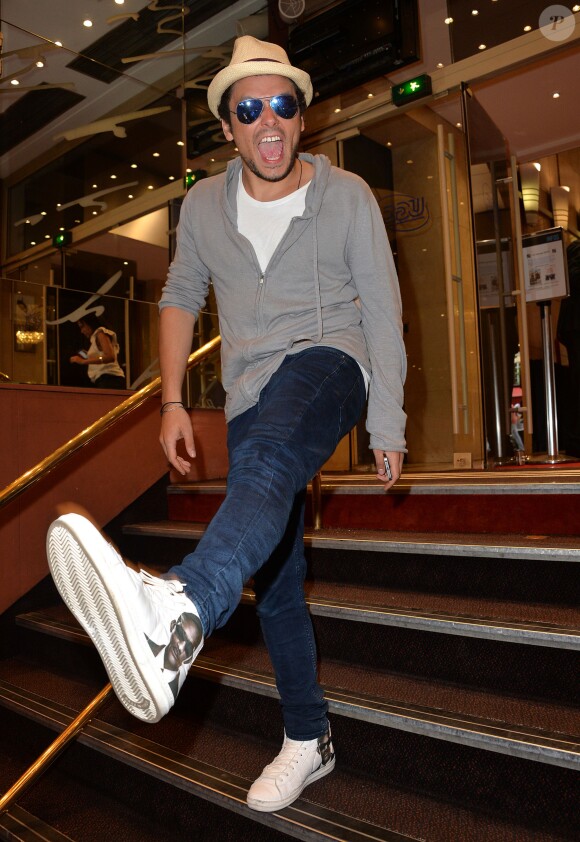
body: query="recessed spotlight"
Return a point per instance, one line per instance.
(180, 143)
(189, 168)
(410, 161)
(33, 242)
(370, 96)
(527, 28)
(119, 2)
(14, 82)
(389, 143)
(125, 263)
(482, 47)
(156, 154)
(47, 236)
(556, 95)
(113, 176)
(576, 8)
(171, 178)
(43, 213)
(337, 110)
(58, 43)
(458, 125)
(94, 186)
(40, 63)
(440, 65)
(88, 23)
(150, 187)
(565, 187)
(130, 196)
(448, 21)
(133, 166)
(474, 12)
(94, 213)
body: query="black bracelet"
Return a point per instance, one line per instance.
(170, 403)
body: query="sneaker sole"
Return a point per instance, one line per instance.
(90, 583)
(273, 806)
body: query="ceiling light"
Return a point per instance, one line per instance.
(337, 110)
(448, 21)
(576, 8)
(58, 43)
(180, 143)
(113, 176)
(474, 12)
(482, 47)
(94, 213)
(130, 196)
(14, 82)
(88, 23)
(40, 63)
(156, 154)
(389, 143)
(150, 187)
(527, 28)
(94, 186)
(133, 166)
(171, 178)
(556, 95)
(440, 65)
(458, 125)
(119, 2)
(370, 96)
(410, 161)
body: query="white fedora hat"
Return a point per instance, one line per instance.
(256, 58)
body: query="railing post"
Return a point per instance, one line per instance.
(317, 501)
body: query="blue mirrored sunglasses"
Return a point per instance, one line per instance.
(284, 105)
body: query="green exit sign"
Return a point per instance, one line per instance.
(412, 89)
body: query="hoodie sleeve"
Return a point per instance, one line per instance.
(373, 270)
(187, 281)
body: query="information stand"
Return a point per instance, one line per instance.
(546, 278)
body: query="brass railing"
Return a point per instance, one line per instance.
(34, 475)
(83, 438)
(26, 481)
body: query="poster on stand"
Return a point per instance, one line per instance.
(544, 262)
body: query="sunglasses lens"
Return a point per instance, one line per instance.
(249, 110)
(284, 106)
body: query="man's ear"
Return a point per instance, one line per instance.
(227, 130)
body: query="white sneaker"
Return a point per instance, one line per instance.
(146, 630)
(297, 765)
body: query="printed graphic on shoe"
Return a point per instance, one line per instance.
(146, 630)
(299, 763)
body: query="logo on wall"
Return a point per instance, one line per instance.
(404, 214)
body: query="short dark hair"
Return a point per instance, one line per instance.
(90, 319)
(224, 106)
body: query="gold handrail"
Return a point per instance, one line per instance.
(62, 453)
(53, 750)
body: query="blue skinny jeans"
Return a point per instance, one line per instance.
(275, 448)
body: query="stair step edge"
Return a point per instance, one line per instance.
(526, 742)
(303, 819)
(525, 548)
(19, 824)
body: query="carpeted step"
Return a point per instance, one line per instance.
(438, 708)
(402, 785)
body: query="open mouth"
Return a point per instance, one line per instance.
(271, 149)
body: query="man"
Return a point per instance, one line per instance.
(309, 312)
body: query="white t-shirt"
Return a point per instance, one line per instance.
(265, 223)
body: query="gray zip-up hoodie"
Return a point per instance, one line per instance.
(331, 281)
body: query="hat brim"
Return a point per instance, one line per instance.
(233, 73)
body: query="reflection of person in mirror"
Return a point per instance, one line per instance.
(568, 333)
(103, 367)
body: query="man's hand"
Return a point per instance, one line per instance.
(395, 459)
(176, 425)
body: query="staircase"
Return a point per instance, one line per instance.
(447, 619)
